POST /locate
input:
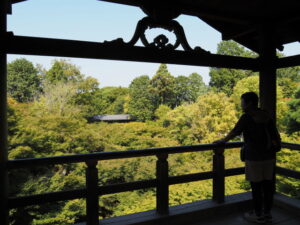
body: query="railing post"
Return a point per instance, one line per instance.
(218, 177)
(92, 204)
(162, 191)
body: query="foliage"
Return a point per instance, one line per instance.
(223, 79)
(188, 89)
(163, 89)
(252, 84)
(63, 71)
(289, 159)
(213, 117)
(293, 116)
(163, 86)
(142, 102)
(208, 119)
(170, 112)
(23, 82)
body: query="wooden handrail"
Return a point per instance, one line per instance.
(291, 146)
(287, 172)
(44, 161)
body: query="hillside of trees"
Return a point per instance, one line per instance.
(47, 116)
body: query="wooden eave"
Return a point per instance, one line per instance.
(238, 20)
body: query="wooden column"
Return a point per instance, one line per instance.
(92, 199)
(162, 191)
(3, 116)
(267, 75)
(219, 175)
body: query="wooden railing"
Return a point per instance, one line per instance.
(161, 183)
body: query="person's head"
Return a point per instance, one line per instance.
(249, 100)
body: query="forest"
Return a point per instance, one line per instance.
(48, 113)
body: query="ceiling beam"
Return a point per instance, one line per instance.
(17, 1)
(237, 35)
(201, 11)
(83, 49)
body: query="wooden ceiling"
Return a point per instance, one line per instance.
(238, 20)
(235, 19)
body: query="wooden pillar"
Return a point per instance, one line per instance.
(267, 75)
(162, 191)
(3, 116)
(219, 175)
(92, 199)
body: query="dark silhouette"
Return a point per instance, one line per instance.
(262, 141)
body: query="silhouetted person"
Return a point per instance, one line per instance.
(261, 142)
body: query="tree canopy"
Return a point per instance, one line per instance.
(223, 79)
(62, 70)
(293, 116)
(23, 82)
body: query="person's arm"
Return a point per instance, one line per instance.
(228, 137)
(237, 130)
(275, 136)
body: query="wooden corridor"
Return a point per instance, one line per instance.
(280, 217)
(286, 211)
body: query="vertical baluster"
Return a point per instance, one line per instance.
(92, 204)
(162, 191)
(218, 177)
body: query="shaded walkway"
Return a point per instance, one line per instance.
(280, 217)
(286, 212)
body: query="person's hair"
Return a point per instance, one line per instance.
(250, 97)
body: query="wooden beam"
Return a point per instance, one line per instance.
(238, 34)
(17, 1)
(45, 161)
(267, 75)
(124, 187)
(201, 11)
(22, 201)
(287, 172)
(83, 49)
(190, 177)
(288, 61)
(291, 146)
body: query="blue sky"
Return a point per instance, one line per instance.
(93, 20)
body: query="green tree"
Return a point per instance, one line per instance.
(108, 100)
(197, 86)
(222, 79)
(86, 94)
(181, 91)
(62, 70)
(188, 89)
(57, 99)
(142, 102)
(288, 86)
(252, 84)
(163, 86)
(293, 115)
(208, 119)
(213, 117)
(293, 73)
(288, 78)
(23, 82)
